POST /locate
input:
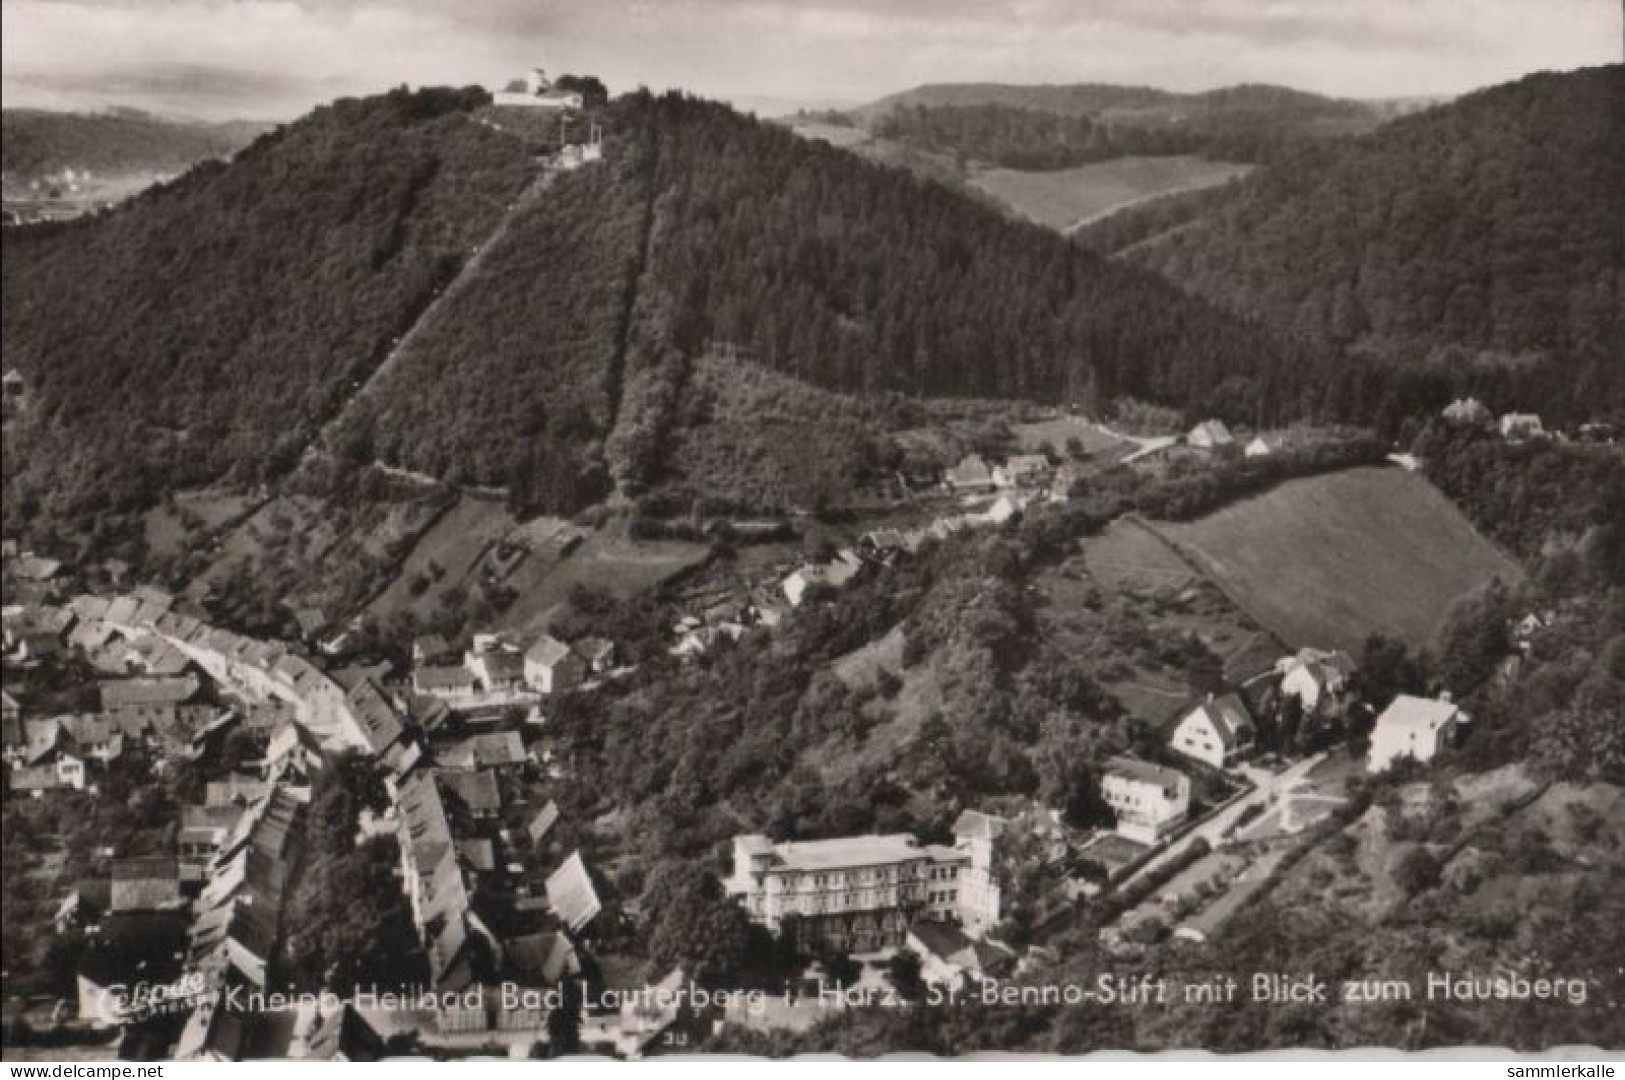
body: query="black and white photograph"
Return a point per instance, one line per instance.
(545, 530)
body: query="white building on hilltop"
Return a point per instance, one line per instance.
(1412, 727)
(861, 893)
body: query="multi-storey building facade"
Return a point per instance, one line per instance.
(860, 893)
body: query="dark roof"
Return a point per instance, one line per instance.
(344, 1034)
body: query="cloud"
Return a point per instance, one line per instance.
(278, 57)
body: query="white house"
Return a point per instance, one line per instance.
(1315, 677)
(1261, 447)
(971, 474)
(1216, 731)
(1413, 727)
(1210, 435)
(1149, 800)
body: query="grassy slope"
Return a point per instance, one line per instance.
(1328, 560)
(1067, 198)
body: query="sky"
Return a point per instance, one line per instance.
(274, 59)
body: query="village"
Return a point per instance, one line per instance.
(460, 742)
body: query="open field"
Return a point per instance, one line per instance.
(1094, 440)
(1064, 199)
(1328, 560)
(444, 558)
(606, 561)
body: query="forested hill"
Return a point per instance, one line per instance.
(206, 326)
(36, 142)
(224, 324)
(1486, 236)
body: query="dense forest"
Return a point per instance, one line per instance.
(1479, 244)
(207, 327)
(36, 143)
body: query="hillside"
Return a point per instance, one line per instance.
(36, 142)
(1330, 560)
(1480, 245)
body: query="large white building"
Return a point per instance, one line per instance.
(539, 93)
(1412, 727)
(1149, 800)
(860, 893)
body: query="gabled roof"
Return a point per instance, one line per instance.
(970, 470)
(150, 690)
(571, 894)
(542, 959)
(1144, 772)
(975, 825)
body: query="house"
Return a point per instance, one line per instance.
(10, 707)
(597, 652)
(432, 650)
(835, 573)
(543, 822)
(343, 1035)
(476, 793)
(1413, 727)
(13, 739)
(1314, 677)
(145, 885)
(487, 750)
(971, 475)
(1022, 470)
(860, 893)
(128, 950)
(541, 959)
(203, 830)
(1210, 435)
(571, 895)
(36, 568)
(948, 957)
(1216, 731)
(447, 683)
(537, 91)
(1261, 447)
(552, 667)
(1149, 800)
(1516, 426)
